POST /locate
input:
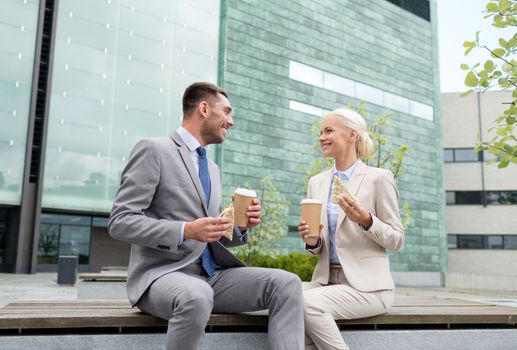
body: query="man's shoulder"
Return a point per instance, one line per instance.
(155, 143)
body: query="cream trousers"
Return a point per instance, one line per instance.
(338, 300)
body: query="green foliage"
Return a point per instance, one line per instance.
(266, 236)
(501, 74)
(384, 155)
(297, 263)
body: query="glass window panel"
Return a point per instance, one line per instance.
(452, 241)
(75, 240)
(396, 102)
(494, 242)
(510, 242)
(448, 155)
(338, 84)
(305, 108)
(114, 98)
(305, 74)
(369, 94)
(88, 31)
(192, 16)
(48, 245)
(18, 36)
(421, 110)
(468, 197)
(47, 218)
(470, 241)
(501, 197)
(3, 235)
(450, 197)
(100, 222)
(466, 155)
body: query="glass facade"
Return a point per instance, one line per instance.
(18, 27)
(62, 234)
(119, 70)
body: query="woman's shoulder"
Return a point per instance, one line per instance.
(321, 176)
(379, 172)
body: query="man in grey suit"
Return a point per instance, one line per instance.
(168, 207)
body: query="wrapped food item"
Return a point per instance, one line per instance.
(340, 188)
(228, 213)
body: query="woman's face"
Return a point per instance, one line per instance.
(335, 138)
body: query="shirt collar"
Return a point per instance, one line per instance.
(348, 172)
(189, 140)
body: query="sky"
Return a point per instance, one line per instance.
(458, 21)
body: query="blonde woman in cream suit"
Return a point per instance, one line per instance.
(352, 278)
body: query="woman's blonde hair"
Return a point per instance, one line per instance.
(353, 120)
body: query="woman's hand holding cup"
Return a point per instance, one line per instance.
(303, 231)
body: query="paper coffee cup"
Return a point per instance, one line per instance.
(243, 199)
(311, 214)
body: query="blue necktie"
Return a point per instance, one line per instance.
(207, 260)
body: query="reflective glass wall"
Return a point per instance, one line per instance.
(119, 70)
(18, 27)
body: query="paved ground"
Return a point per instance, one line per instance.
(43, 286)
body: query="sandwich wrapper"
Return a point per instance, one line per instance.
(340, 188)
(228, 213)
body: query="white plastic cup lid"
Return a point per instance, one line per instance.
(310, 201)
(245, 192)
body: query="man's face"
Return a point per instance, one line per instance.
(218, 119)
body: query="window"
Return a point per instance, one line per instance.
(481, 241)
(305, 74)
(452, 241)
(450, 197)
(420, 8)
(510, 242)
(464, 197)
(494, 242)
(466, 155)
(470, 241)
(323, 79)
(501, 197)
(461, 155)
(448, 155)
(64, 235)
(305, 108)
(338, 84)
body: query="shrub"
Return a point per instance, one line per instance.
(298, 263)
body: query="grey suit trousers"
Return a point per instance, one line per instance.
(187, 297)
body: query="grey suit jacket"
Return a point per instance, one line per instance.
(159, 190)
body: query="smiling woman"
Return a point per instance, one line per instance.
(361, 225)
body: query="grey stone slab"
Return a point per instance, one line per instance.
(479, 339)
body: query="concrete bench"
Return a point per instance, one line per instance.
(79, 324)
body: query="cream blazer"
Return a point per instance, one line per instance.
(362, 254)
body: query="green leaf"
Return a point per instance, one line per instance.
(514, 93)
(499, 52)
(503, 164)
(471, 80)
(491, 7)
(463, 66)
(467, 51)
(489, 66)
(510, 120)
(501, 131)
(503, 43)
(469, 44)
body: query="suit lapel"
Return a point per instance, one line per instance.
(324, 189)
(215, 190)
(354, 184)
(189, 165)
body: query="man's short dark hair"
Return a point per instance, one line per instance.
(197, 92)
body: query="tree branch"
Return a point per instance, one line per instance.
(492, 52)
